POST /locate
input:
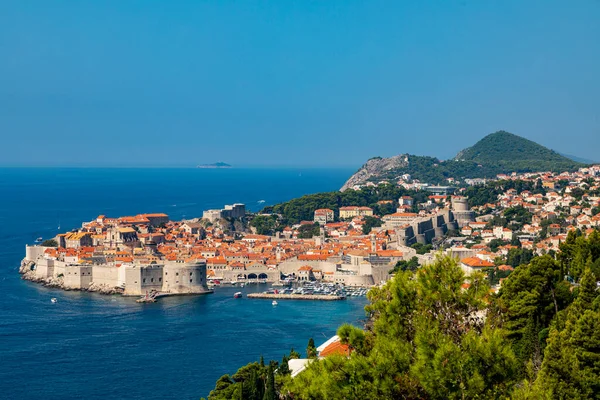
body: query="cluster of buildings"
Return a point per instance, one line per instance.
(137, 254)
(325, 215)
(553, 214)
(571, 201)
(149, 252)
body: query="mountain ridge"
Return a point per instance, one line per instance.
(496, 153)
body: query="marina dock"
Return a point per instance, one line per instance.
(291, 296)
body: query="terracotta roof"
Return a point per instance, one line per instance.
(336, 347)
(476, 262)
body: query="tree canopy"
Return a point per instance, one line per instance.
(434, 333)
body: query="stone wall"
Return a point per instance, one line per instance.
(77, 276)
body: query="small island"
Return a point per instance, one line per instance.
(215, 165)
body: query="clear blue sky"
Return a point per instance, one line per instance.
(292, 82)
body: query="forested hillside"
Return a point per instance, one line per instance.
(514, 153)
(302, 208)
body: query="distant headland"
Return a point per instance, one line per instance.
(215, 165)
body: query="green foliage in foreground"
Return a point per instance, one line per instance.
(430, 337)
(428, 340)
(254, 381)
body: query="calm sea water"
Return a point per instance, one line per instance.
(97, 347)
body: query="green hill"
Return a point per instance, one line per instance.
(514, 153)
(497, 153)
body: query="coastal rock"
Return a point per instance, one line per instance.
(375, 167)
(104, 289)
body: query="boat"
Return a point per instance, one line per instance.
(237, 295)
(242, 284)
(274, 302)
(38, 240)
(53, 300)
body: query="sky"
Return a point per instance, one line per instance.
(292, 83)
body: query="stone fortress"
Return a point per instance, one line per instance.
(413, 229)
(130, 279)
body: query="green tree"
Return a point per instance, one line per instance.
(370, 222)
(404, 265)
(311, 349)
(530, 298)
(571, 366)
(308, 231)
(265, 224)
(50, 243)
(284, 368)
(294, 354)
(425, 340)
(270, 392)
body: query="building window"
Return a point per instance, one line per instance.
(151, 279)
(190, 274)
(190, 281)
(144, 280)
(160, 279)
(176, 273)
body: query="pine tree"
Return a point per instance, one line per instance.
(311, 350)
(270, 393)
(294, 354)
(284, 368)
(587, 289)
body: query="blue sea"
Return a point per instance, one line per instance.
(97, 347)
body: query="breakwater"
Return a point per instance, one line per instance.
(285, 296)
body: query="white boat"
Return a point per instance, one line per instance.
(38, 240)
(274, 302)
(237, 295)
(53, 300)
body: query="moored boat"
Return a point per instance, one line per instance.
(237, 295)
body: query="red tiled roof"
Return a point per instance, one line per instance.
(336, 347)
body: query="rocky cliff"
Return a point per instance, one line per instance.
(374, 168)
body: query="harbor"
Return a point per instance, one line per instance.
(311, 291)
(291, 296)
